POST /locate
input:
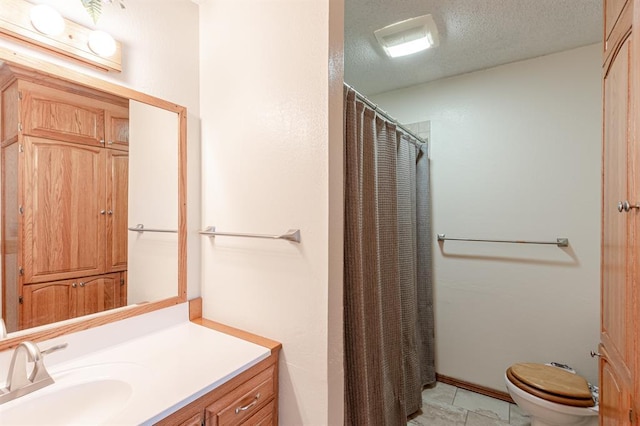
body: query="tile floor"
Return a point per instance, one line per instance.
(446, 405)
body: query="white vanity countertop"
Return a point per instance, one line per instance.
(161, 371)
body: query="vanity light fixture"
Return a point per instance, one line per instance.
(47, 20)
(45, 29)
(102, 44)
(409, 36)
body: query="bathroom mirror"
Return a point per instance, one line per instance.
(156, 191)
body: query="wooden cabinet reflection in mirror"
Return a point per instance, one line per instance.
(64, 199)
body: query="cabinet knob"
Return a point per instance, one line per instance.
(102, 141)
(103, 211)
(82, 284)
(74, 285)
(109, 212)
(110, 142)
(626, 206)
(595, 354)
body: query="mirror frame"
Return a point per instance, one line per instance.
(49, 331)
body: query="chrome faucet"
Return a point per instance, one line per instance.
(19, 381)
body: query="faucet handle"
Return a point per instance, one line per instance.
(55, 348)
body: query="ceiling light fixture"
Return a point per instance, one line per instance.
(408, 37)
(102, 44)
(46, 20)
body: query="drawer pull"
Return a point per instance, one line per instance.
(246, 407)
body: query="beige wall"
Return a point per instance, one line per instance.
(271, 136)
(515, 155)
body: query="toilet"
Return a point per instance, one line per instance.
(551, 396)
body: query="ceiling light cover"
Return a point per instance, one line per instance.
(102, 44)
(46, 20)
(408, 37)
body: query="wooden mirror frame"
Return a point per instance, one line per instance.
(49, 70)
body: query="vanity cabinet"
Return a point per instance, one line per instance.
(49, 302)
(64, 194)
(619, 349)
(249, 399)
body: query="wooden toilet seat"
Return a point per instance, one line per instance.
(551, 383)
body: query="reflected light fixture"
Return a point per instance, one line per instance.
(102, 44)
(408, 37)
(46, 20)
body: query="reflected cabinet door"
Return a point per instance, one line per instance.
(64, 210)
(117, 210)
(101, 293)
(59, 114)
(117, 127)
(48, 302)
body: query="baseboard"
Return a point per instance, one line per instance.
(504, 396)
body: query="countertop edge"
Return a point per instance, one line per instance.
(272, 345)
(195, 316)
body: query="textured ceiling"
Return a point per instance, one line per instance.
(474, 34)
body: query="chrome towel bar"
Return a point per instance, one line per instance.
(560, 242)
(292, 235)
(140, 228)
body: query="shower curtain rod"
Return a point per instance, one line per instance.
(384, 113)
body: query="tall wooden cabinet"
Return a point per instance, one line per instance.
(64, 199)
(620, 287)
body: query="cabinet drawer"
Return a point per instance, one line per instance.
(243, 401)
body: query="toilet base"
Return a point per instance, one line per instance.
(585, 421)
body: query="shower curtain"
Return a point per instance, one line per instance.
(388, 310)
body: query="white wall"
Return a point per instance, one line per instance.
(153, 202)
(515, 155)
(271, 136)
(160, 62)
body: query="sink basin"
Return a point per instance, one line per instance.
(81, 403)
(84, 395)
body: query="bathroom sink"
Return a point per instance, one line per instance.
(80, 396)
(91, 402)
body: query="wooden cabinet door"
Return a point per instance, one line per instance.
(117, 127)
(10, 234)
(64, 210)
(618, 315)
(615, 399)
(9, 114)
(196, 420)
(47, 303)
(61, 115)
(97, 294)
(117, 210)
(612, 11)
(124, 289)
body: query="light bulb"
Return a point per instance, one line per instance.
(47, 20)
(102, 44)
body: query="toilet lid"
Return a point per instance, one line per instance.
(551, 383)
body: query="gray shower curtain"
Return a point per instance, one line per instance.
(388, 310)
